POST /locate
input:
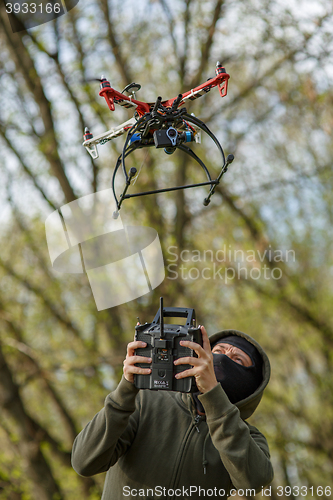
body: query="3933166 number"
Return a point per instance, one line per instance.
(33, 8)
(303, 491)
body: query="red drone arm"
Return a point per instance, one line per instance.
(113, 97)
(220, 80)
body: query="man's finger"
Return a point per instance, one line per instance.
(186, 373)
(136, 344)
(205, 339)
(138, 370)
(131, 360)
(187, 361)
(193, 345)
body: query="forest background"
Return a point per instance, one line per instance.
(59, 356)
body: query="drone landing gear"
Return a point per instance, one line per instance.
(206, 202)
(165, 129)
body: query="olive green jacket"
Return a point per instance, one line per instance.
(154, 445)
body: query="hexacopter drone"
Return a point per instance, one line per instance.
(163, 124)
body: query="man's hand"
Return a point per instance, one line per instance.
(202, 366)
(129, 363)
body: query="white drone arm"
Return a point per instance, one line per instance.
(91, 144)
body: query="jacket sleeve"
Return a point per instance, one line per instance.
(243, 449)
(109, 434)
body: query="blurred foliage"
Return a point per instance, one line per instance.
(258, 259)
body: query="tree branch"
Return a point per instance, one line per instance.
(121, 62)
(183, 58)
(82, 54)
(61, 317)
(26, 67)
(26, 168)
(302, 311)
(171, 25)
(31, 435)
(257, 81)
(31, 356)
(207, 44)
(55, 58)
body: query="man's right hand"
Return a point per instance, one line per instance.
(129, 363)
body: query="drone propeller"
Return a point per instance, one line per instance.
(100, 80)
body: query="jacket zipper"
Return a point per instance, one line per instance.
(197, 420)
(194, 425)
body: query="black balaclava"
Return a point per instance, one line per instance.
(238, 381)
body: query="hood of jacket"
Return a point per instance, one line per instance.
(248, 405)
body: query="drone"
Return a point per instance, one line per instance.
(163, 124)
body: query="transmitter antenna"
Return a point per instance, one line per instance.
(161, 319)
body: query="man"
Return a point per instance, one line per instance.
(161, 444)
